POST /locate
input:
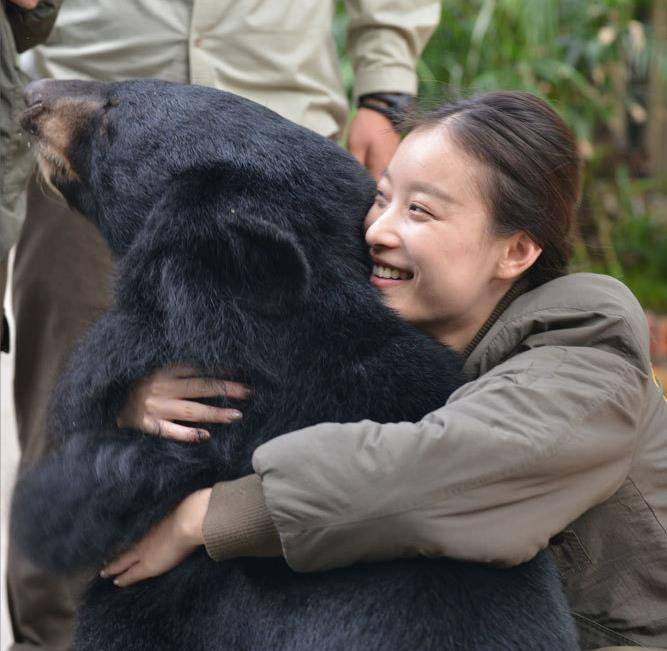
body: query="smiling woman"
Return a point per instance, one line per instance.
(440, 230)
(472, 202)
(557, 438)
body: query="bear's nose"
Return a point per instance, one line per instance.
(33, 93)
(33, 96)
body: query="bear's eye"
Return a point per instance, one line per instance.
(104, 122)
(112, 102)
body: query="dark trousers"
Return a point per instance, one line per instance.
(60, 286)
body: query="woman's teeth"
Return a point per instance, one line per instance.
(390, 272)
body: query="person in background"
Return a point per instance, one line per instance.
(279, 54)
(23, 24)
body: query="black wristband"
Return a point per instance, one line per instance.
(394, 106)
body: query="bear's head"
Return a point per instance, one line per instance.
(162, 166)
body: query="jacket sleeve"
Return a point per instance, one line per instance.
(385, 39)
(508, 462)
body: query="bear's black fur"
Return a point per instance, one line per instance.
(240, 251)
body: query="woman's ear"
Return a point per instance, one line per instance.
(519, 253)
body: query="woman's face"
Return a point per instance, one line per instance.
(429, 232)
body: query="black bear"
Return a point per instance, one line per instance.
(240, 251)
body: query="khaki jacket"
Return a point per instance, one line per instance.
(281, 54)
(560, 436)
(19, 30)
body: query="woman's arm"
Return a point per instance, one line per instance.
(165, 546)
(510, 460)
(236, 524)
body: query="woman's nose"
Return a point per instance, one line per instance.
(382, 231)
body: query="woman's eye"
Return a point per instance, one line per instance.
(413, 207)
(380, 199)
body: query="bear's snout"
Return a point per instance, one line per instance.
(33, 98)
(50, 91)
(69, 100)
(58, 112)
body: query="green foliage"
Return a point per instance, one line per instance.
(572, 53)
(632, 238)
(641, 244)
(590, 60)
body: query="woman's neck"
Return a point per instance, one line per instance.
(465, 336)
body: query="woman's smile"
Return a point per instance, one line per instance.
(385, 275)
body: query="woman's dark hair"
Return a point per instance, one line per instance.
(532, 181)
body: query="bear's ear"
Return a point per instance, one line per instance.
(191, 263)
(267, 266)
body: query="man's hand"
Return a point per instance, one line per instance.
(25, 4)
(165, 546)
(372, 140)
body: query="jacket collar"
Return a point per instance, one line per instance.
(580, 309)
(521, 286)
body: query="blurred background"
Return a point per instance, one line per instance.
(602, 64)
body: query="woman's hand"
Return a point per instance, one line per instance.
(166, 395)
(165, 546)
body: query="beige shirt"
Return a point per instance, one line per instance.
(281, 54)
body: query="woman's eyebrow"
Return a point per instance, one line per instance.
(427, 188)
